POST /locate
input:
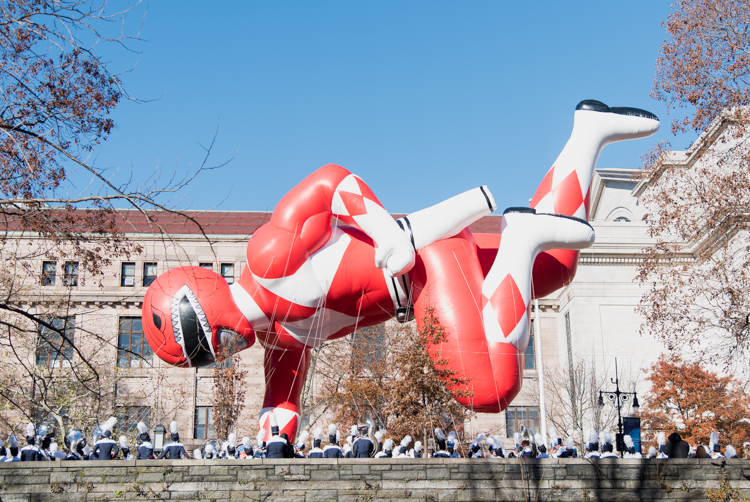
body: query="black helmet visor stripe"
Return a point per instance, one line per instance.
(196, 345)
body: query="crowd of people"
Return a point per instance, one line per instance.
(362, 442)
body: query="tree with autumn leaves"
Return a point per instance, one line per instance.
(687, 398)
(698, 202)
(394, 376)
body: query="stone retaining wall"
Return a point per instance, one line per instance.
(348, 480)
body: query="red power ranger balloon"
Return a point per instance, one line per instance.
(332, 259)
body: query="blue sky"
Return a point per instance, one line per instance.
(422, 99)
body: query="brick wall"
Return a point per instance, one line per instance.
(354, 480)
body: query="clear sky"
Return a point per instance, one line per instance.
(422, 99)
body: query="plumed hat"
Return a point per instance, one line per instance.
(606, 437)
(142, 428)
(347, 447)
(651, 451)
(302, 439)
(232, 440)
(260, 437)
(108, 424)
(628, 441)
(405, 443)
(197, 454)
(480, 437)
(540, 443)
(209, 449)
(246, 443)
(451, 439)
(379, 435)
(730, 452)
(173, 428)
(553, 437)
(124, 442)
(332, 433)
(388, 445)
(714, 444)
(418, 446)
(274, 424)
(13, 441)
(30, 430)
(661, 438)
(592, 440)
(570, 444)
(491, 443)
(440, 438)
(354, 431)
(317, 435)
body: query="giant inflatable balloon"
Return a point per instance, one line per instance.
(331, 258)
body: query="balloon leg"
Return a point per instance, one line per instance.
(565, 188)
(285, 371)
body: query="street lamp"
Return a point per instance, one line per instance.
(159, 432)
(619, 399)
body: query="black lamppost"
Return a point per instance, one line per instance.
(619, 399)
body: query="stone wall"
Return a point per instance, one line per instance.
(354, 479)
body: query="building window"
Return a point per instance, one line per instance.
(128, 418)
(227, 272)
(128, 275)
(517, 416)
(54, 347)
(149, 273)
(207, 266)
(368, 346)
(49, 273)
(70, 277)
(204, 422)
(133, 350)
(529, 354)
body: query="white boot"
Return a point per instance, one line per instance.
(506, 290)
(595, 125)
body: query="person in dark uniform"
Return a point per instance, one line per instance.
(526, 450)
(316, 452)
(363, 446)
(143, 443)
(174, 449)
(441, 445)
(332, 449)
(476, 449)
(417, 452)
(387, 449)
(451, 443)
(277, 446)
(31, 452)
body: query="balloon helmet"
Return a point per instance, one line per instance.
(190, 318)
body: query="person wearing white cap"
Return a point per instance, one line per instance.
(316, 452)
(260, 444)
(174, 449)
(277, 446)
(591, 438)
(541, 446)
(246, 448)
(441, 445)
(31, 452)
(13, 450)
(363, 447)
(125, 448)
(403, 449)
(387, 449)
(714, 447)
(661, 438)
(607, 448)
(143, 442)
(105, 447)
(451, 444)
(299, 447)
(630, 448)
(332, 449)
